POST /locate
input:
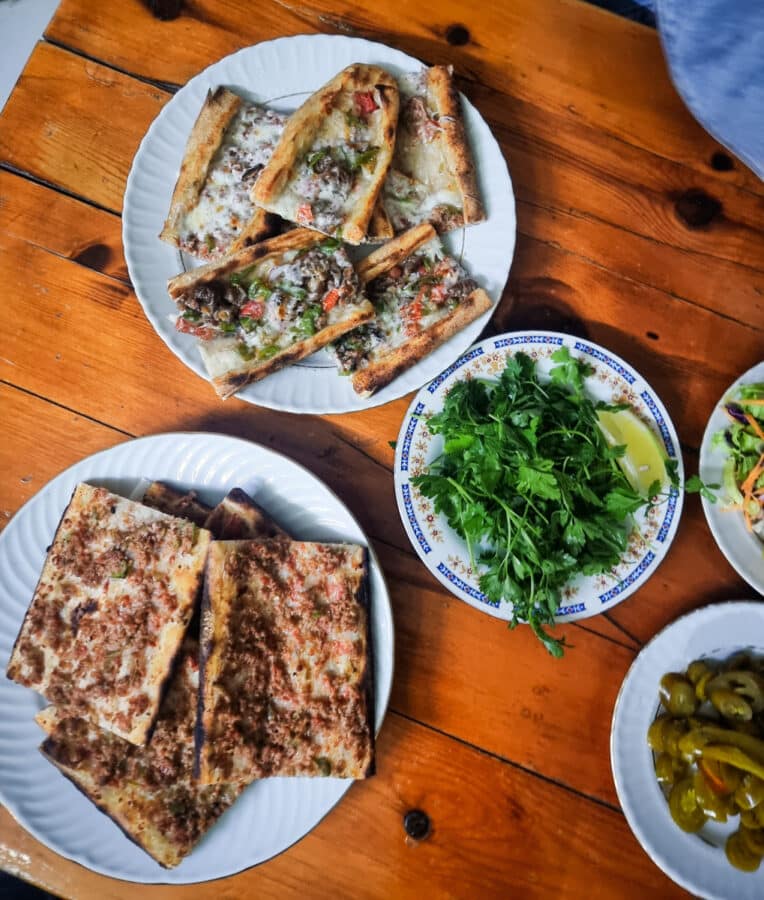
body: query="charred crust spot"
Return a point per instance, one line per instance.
(652, 335)
(457, 35)
(96, 256)
(696, 209)
(389, 133)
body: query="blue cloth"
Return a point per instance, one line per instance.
(715, 54)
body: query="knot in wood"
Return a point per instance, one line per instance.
(417, 824)
(457, 35)
(696, 208)
(722, 162)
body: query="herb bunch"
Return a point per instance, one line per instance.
(527, 478)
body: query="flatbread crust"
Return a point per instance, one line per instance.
(237, 516)
(435, 155)
(110, 610)
(150, 791)
(167, 499)
(387, 365)
(305, 127)
(228, 371)
(286, 665)
(207, 135)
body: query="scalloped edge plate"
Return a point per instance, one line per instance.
(282, 73)
(743, 550)
(271, 814)
(698, 866)
(445, 553)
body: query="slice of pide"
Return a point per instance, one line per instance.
(286, 662)
(167, 499)
(211, 212)
(149, 791)
(237, 516)
(432, 177)
(267, 306)
(334, 153)
(421, 296)
(107, 618)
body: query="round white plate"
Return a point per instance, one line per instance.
(696, 862)
(445, 553)
(744, 551)
(282, 73)
(272, 814)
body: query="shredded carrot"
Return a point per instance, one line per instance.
(755, 425)
(747, 486)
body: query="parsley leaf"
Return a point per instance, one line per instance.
(528, 480)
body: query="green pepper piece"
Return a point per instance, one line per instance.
(367, 159)
(735, 757)
(329, 246)
(256, 288)
(269, 351)
(293, 290)
(191, 315)
(245, 351)
(324, 765)
(694, 742)
(227, 327)
(209, 240)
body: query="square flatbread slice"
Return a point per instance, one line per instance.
(334, 153)
(211, 212)
(110, 610)
(286, 662)
(267, 306)
(422, 297)
(150, 791)
(432, 177)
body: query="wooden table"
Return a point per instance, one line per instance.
(636, 229)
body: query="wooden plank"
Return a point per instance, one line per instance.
(548, 53)
(60, 124)
(689, 366)
(599, 178)
(29, 458)
(53, 221)
(717, 284)
(495, 830)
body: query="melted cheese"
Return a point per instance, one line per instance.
(224, 206)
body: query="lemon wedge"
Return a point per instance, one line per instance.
(644, 460)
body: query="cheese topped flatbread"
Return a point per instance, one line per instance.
(110, 610)
(150, 791)
(286, 662)
(333, 155)
(432, 177)
(211, 212)
(421, 296)
(268, 306)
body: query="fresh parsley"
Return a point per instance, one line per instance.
(527, 478)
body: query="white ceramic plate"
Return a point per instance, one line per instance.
(744, 551)
(697, 862)
(445, 553)
(271, 814)
(282, 74)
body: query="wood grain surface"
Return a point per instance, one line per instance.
(635, 230)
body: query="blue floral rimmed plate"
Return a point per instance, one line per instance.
(445, 553)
